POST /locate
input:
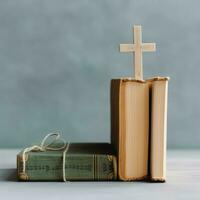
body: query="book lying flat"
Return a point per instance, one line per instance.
(84, 161)
(130, 127)
(158, 139)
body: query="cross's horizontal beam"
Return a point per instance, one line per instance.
(148, 47)
(145, 47)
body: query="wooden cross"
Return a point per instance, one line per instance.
(138, 47)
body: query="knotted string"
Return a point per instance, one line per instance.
(44, 146)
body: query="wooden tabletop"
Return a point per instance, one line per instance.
(183, 182)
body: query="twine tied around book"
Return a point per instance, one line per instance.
(44, 146)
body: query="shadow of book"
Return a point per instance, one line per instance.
(8, 175)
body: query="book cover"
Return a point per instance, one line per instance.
(84, 161)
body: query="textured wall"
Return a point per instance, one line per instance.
(57, 59)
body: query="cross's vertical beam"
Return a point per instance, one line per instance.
(138, 52)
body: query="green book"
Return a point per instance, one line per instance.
(84, 161)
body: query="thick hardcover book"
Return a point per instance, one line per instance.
(158, 139)
(130, 127)
(84, 161)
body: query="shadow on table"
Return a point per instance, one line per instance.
(8, 175)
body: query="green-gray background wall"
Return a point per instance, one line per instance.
(57, 59)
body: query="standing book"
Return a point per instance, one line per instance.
(130, 126)
(83, 162)
(158, 139)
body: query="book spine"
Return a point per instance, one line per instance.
(158, 141)
(78, 167)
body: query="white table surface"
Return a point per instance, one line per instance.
(183, 182)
